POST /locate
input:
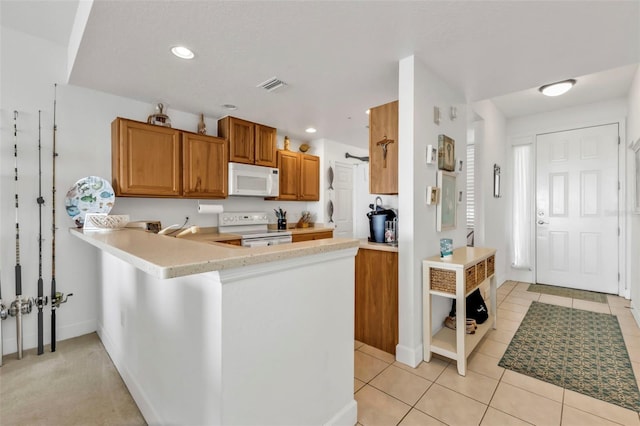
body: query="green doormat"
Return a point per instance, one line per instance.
(590, 296)
(578, 350)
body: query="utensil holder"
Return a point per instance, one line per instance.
(282, 224)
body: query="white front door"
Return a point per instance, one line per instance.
(577, 209)
(343, 202)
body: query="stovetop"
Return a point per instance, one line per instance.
(248, 225)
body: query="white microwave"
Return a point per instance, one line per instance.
(253, 181)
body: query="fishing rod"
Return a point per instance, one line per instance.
(18, 306)
(57, 298)
(40, 300)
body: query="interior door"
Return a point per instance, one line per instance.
(577, 208)
(343, 203)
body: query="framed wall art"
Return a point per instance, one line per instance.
(446, 153)
(446, 208)
(636, 163)
(496, 181)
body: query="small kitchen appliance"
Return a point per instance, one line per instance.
(253, 229)
(377, 220)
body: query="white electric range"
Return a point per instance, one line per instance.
(253, 228)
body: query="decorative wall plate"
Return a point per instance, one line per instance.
(91, 194)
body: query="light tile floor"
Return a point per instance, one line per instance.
(391, 393)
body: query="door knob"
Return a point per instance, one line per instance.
(542, 222)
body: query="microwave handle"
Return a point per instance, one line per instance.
(270, 184)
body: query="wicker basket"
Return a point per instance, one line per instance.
(481, 270)
(491, 265)
(470, 278)
(443, 280)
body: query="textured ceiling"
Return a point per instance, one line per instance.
(341, 57)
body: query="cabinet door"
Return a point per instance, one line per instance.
(289, 165)
(204, 165)
(241, 141)
(376, 310)
(309, 178)
(383, 173)
(309, 236)
(145, 159)
(266, 148)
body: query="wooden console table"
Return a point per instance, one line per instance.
(456, 278)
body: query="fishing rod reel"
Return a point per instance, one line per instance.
(24, 306)
(4, 312)
(40, 302)
(59, 299)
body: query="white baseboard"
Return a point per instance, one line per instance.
(146, 408)
(409, 356)
(348, 416)
(636, 314)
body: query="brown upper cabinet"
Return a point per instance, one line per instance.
(299, 176)
(204, 166)
(155, 161)
(249, 143)
(383, 149)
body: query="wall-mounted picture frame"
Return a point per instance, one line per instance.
(635, 146)
(496, 181)
(446, 214)
(446, 153)
(432, 154)
(433, 195)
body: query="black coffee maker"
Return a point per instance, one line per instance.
(377, 218)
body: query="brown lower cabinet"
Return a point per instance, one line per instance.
(376, 317)
(309, 236)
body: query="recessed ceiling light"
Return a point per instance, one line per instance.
(182, 52)
(557, 89)
(310, 130)
(230, 107)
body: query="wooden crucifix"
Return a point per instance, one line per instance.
(384, 142)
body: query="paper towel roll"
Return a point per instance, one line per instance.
(209, 208)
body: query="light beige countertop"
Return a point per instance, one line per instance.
(367, 245)
(168, 257)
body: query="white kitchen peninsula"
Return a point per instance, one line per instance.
(204, 333)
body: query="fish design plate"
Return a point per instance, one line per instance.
(91, 194)
(330, 177)
(330, 211)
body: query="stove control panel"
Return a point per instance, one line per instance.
(242, 218)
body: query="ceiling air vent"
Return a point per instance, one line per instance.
(272, 84)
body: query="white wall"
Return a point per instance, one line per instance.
(84, 145)
(490, 149)
(633, 220)
(419, 91)
(527, 127)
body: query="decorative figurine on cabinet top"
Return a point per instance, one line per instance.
(202, 128)
(159, 118)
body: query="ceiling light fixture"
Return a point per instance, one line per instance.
(310, 130)
(230, 107)
(182, 52)
(558, 88)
